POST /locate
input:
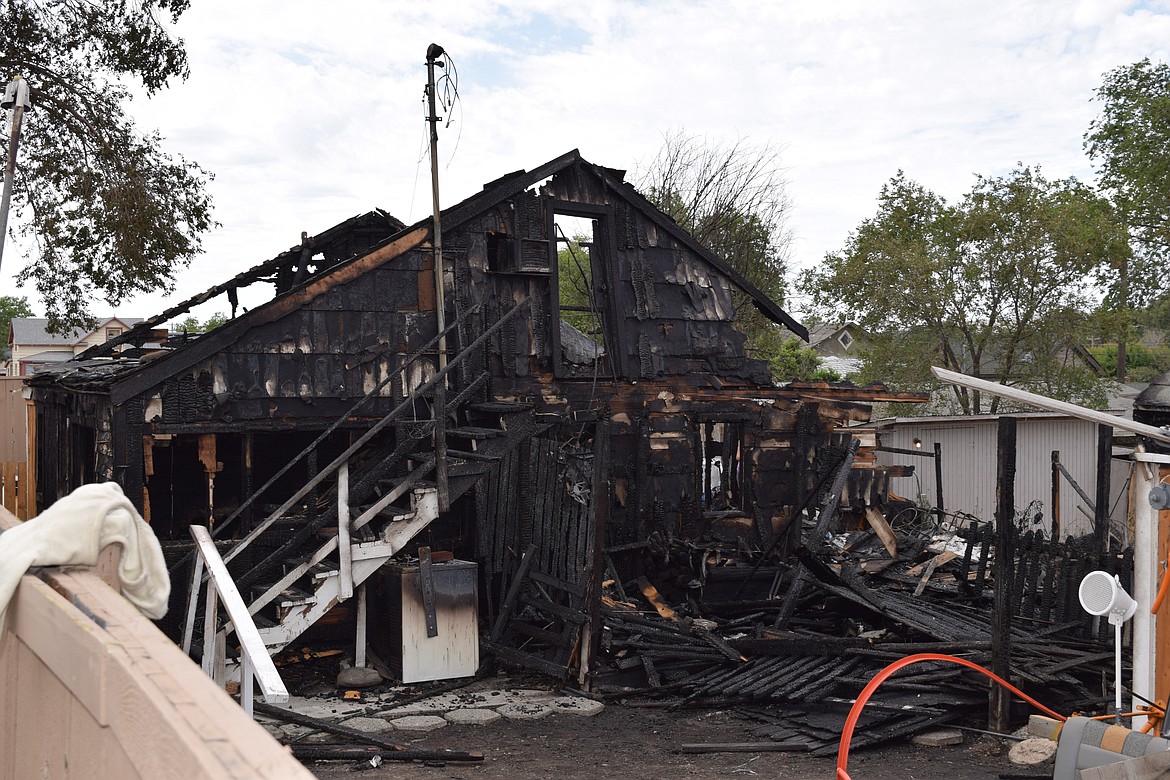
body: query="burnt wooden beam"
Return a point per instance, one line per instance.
(1104, 467)
(513, 592)
(938, 482)
(1055, 509)
(999, 699)
(598, 561)
(404, 751)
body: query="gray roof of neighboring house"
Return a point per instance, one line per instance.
(48, 357)
(819, 331)
(33, 331)
(841, 365)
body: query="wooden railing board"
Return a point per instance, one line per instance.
(86, 677)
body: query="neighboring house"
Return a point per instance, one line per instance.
(844, 340)
(32, 347)
(838, 345)
(590, 429)
(1058, 354)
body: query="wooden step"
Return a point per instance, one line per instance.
(322, 571)
(472, 432)
(500, 407)
(467, 469)
(291, 596)
(465, 455)
(262, 621)
(387, 512)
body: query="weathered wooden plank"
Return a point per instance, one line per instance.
(107, 658)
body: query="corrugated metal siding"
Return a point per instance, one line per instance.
(969, 458)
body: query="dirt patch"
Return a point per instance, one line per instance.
(624, 742)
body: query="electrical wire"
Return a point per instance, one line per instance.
(449, 84)
(423, 151)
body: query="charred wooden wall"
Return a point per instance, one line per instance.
(667, 312)
(675, 368)
(73, 443)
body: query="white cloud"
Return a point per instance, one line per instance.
(309, 116)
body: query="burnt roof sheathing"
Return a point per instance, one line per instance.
(493, 194)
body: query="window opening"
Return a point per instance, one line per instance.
(845, 339)
(582, 328)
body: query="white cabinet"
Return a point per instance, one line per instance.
(410, 653)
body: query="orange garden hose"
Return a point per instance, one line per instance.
(880, 677)
(1161, 592)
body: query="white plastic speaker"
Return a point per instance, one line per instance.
(1101, 594)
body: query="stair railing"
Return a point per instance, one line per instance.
(343, 460)
(392, 416)
(256, 665)
(416, 355)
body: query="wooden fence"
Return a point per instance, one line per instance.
(1046, 575)
(13, 418)
(14, 488)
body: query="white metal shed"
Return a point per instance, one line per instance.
(968, 458)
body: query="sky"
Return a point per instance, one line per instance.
(309, 113)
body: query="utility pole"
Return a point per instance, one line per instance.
(16, 98)
(434, 51)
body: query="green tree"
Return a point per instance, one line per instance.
(995, 286)
(11, 306)
(1129, 143)
(107, 212)
(791, 360)
(732, 198)
(575, 289)
(192, 324)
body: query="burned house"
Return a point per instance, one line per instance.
(572, 397)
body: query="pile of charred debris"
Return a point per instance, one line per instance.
(790, 643)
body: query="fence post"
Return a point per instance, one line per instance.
(1104, 464)
(1056, 495)
(999, 699)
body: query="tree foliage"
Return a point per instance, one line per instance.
(732, 198)
(11, 306)
(1130, 144)
(996, 285)
(105, 209)
(192, 324)
(577, 297)
(791, 360)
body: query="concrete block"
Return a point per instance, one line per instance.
(576, 705)
(521, 711)
(938, 738)
(1033, 751)
(419, 723)
(472, 717)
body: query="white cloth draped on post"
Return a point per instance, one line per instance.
(74, 530)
